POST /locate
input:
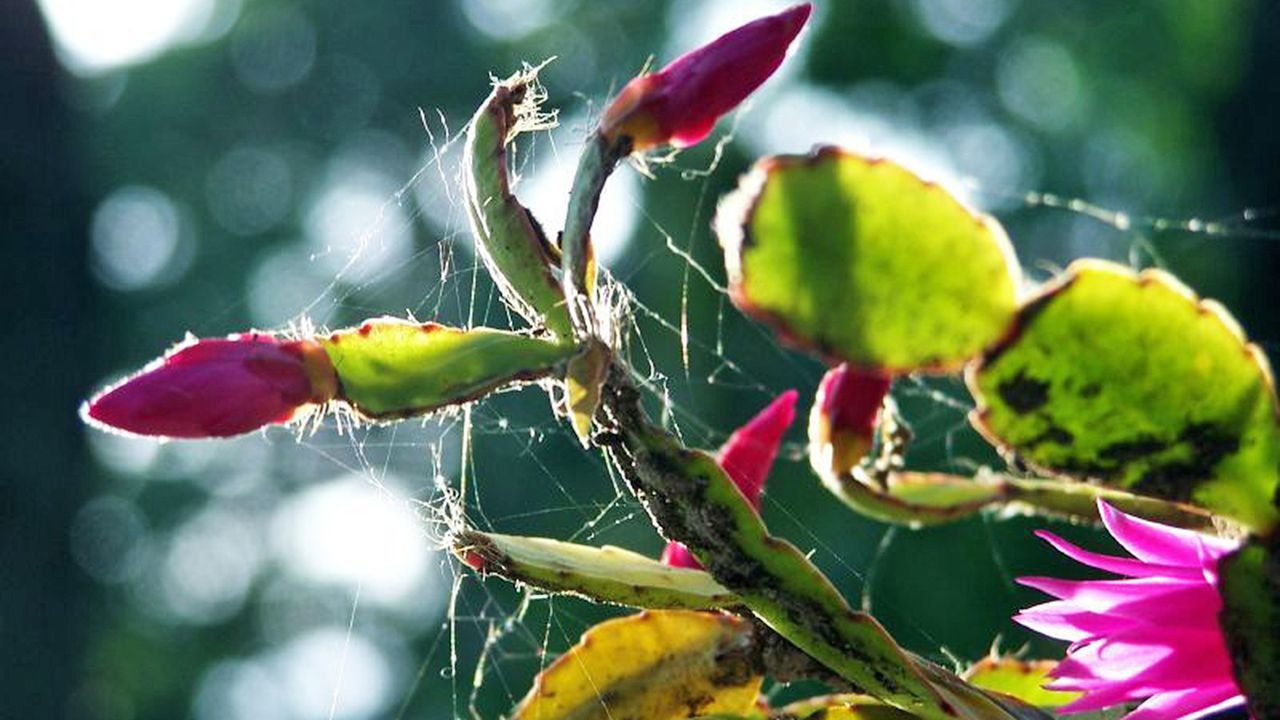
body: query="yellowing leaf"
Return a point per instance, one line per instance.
(658, 665)
(1022, 679)
(844, 707)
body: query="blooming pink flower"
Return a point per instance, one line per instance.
(680, 103)
(217, 387)
(746, 458)
(1153, 636)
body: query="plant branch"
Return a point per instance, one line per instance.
(691, 500)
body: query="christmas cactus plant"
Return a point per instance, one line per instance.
(1116, 395)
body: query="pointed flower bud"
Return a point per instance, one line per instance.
(746, 458)
(217, 387)
(679, 104)
(843, 422)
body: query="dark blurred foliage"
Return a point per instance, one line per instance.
(146, 581)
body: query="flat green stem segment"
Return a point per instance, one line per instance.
(919, 499)
(915, 499)
(842, 707)
(390, 368)
(1055, 496)
(862, 261)
(1249, 581)
(691, 500)
(1131, 380)
(598, 159)
(658, 665)
(1022, 679)
(603, 574)
(509, 240)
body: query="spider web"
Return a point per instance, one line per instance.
(505, 464)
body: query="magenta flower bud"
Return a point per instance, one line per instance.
(843, 422)
(217, 387)
(679, 104)
(746, 457)
(1153, 636)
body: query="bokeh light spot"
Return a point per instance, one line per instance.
(94, 36)
(332, 673)
(1039, 82)
(105, 534)
(546, 190)
(508, 19)
(273, 49)
(139, 240)
(962, 22)
(356, 229)
(347, 532)
(207, 568)
(250, 190)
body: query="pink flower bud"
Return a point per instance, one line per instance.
(748, 454)
(844, 415)
(746, 458)
(680, 103)
(217, 387)
(677, 555)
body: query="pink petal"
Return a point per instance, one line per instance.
(1153, 657)
(1065, 620)
(1120, 566)
(1152, 600)
(748, 454)
(1236, 701)
(1187, 704)
(1098, 663)
(1156, 543)
(1098, 699)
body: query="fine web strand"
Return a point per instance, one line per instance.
(491, 639)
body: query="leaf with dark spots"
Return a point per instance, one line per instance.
(1024, 394)
(1124, 451)
(1131, 380)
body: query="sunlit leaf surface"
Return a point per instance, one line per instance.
(1131, 380)
(1019, 678)
(861, 260)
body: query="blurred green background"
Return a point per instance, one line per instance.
(210, 165)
